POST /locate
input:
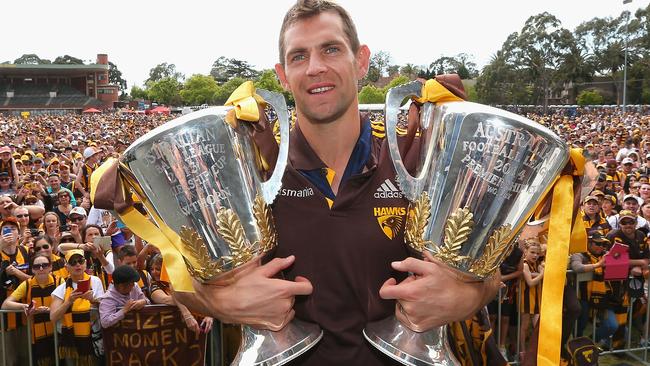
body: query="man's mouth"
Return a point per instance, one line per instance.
(322, 89)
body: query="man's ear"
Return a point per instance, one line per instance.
(363, 61)
(279, 70)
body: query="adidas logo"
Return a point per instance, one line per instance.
(388, 190)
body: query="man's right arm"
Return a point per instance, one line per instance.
(249, 295)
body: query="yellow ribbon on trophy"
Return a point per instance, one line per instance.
(163, 237)
(116, 194)
(561, 237)
(246, 102)
(434, 92)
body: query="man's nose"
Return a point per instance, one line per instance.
(316, 64)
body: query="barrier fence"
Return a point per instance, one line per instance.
(139, 323)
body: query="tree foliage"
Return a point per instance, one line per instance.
(31, 59)
(224, 69)
(198, 89)
(163, 71)
(138, 93)
(590, 97)
(370, 94)
(224, 90)
(68, 60)
(165, 91)
(115, 76)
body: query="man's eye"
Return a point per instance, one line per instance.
(331, 49)
(299, 57)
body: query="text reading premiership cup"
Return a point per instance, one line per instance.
(481, 173)
(201, 181)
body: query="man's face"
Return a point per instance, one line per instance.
(627, 167)
(5, 181)
(131, 260)
(22, 216)
(631, 204)
(591, 207)
(611, 169)
(54, 182)
(124, 288)
(628, 226)
(5, 156)
(321, 70)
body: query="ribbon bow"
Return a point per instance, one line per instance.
(245, 101)
(434, 92)
(563, 237)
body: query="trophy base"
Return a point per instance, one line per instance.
(408, 347)
(268, 348)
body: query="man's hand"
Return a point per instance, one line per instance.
(128, 306)
(139, 304)
(436, 294)
(250, 295)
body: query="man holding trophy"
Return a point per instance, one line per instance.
(331, 245)
(357, 240)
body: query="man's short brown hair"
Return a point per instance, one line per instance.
(304, 9)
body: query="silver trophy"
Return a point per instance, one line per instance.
(203, 179)
(481, 173)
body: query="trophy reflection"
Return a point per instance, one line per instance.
(481, 172)
(201, 181)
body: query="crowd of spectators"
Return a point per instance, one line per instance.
(60, 256)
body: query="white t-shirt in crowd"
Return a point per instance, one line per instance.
(95, 285)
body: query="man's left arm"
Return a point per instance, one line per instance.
(436, 294)
(108, 313)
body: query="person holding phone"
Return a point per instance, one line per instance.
(34, 298)
(71, 297)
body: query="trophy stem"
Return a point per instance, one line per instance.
(429, 348)
(268, 348)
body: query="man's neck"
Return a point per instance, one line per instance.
(333, 142)
(10, 249)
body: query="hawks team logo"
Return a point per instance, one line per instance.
(390, 219)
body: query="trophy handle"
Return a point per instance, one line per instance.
(407, 183)
(271, 187)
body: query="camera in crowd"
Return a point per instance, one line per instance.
(7, 281)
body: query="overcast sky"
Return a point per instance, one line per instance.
(139, 34)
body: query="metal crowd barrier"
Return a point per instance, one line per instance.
(214, 346)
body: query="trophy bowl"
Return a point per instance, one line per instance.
(481, 173)
(201, 180)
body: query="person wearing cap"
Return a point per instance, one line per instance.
(593, 260)
(613, 175)
(608, 206)
(6, 184)
(627, 166)
(637, 247)
(91, 159)
(75, 342)
(592, 216)
(630, 203)
(644, 169)
(122, 293)
(66, 177)
(7, 164)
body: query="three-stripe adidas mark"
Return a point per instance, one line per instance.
(388, 190)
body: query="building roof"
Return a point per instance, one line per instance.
(49, 69)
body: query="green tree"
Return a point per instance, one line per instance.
(115, 76)
(224, 90)
(224, 69)
(199, 89)
(138, 93)
(590, 97)
(269, 81)
(370, 94)
(30, 59)
(68, 60)
(410, 71)
(162, 71)
(165, 91)
(398, 80)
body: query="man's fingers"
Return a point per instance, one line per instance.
(276, 265)
(386, 291)
(302, 287)
(412, 265)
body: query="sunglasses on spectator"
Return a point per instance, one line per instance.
(4, 179)
(64, 195)
(44, 246)
(628, 222)
(40, 265)
(76, 218)
(74, 262)
(67, 240)
(21, 216)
